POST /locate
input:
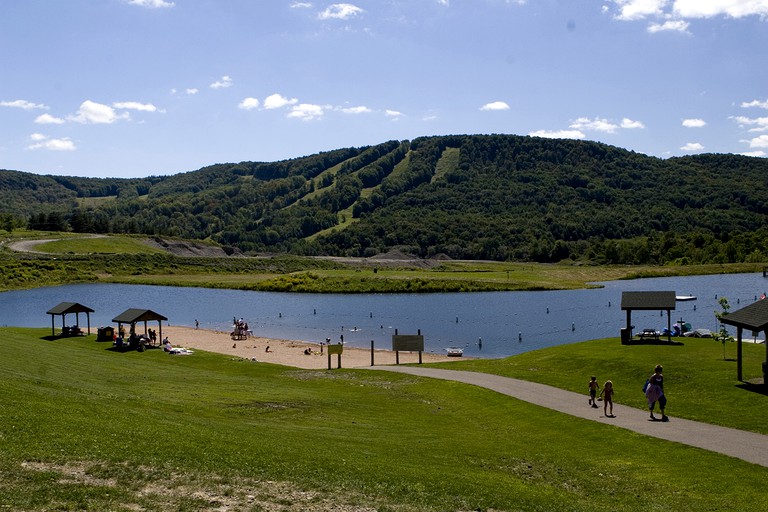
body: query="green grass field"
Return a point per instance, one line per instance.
(101, 245)
(72, 258)
(86, 428)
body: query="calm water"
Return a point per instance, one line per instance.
(507, 322)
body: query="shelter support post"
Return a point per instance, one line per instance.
(739, 334)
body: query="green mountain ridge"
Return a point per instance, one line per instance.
(495, 197)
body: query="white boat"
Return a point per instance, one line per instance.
(454, 351)
(682, 298)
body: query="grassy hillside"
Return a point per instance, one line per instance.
(490, 197)
(86, 428)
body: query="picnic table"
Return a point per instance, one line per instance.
(648, 334)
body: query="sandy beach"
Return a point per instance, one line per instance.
(288, 352)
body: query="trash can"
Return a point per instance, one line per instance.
(105, 334)
(625, 336)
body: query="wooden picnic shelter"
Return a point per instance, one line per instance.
(63, 310)
(646, 301)
(134, 316)
(753, 317)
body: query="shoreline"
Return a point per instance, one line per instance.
(289, 352)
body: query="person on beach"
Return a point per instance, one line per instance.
(654, 392)
(593, 388)
(607, 395)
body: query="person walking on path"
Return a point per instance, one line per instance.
(593, 389)
(607, 395)
(654, 392)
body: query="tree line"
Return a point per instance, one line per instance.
(496, 197)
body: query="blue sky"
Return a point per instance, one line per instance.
(131, 88)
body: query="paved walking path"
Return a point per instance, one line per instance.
(747, 446)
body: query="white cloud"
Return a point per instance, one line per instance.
(43, 142)
(357, 110)
(48, 119)
(671, 15)
(558, 134)
(151, 4)
(249, 104)
(711, 8)
(597, 124)
(134, 105)
(340, 12)
(675, 11)
(301, 5)
(96, 113)
(278, 101)
(192, 90)
(694, 123)
(759, 124)
(629, 124)
(754, 153)
(639, 9)
(222, 83)
(393, 113)
(669, 26)
(692, 146)
(23, 104)
(758, 142)
(495, 105)
(306, 112)
(755, 103)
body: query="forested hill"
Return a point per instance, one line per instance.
(497, 197)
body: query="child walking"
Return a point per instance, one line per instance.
(607, 395)
(593, 388)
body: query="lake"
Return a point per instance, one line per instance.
(492, 324)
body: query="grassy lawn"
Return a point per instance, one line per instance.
(700, 383)
(126, 259)
(102, 245)
(86, 428)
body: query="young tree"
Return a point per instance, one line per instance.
(722, 334)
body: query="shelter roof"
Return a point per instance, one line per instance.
(753, 317)
(69, 307)
(130, 316)
(648, 300)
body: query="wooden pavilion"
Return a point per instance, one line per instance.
(754, 318)
(647, 301)
(63, 310)
(134, 316)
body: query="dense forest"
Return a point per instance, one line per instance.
(494, 197)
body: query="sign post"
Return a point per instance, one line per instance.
(335, 349)
(407, 343)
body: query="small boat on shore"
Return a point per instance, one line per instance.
(454, 351)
